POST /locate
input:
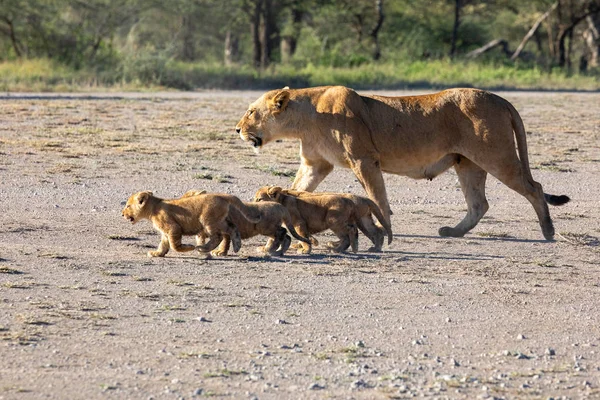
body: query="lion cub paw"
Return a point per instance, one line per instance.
(218, 253)
(155, 254)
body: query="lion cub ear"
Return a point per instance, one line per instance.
(280, 100)
(142, 197)
(274, 192)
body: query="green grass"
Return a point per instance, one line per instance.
(45, 75)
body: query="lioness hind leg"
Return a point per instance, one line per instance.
(512, 175)
(472, 182)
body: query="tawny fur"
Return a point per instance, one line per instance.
(364, 209)
(314, 214)
(192, 215)
(417, 136)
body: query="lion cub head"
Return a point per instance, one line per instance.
(136, 206)
(262, 117)
(268, 193)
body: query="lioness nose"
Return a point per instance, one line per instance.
(238, 130)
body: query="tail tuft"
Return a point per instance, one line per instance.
(556, 200)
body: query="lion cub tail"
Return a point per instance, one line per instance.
(250, 213)
(287, 222)
(375, 210)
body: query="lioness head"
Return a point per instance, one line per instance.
(261, 119)
(268, 193)
(135, 206)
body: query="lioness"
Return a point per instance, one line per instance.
(188, 216)
(418, 136)
(314, 214)
(364, 209)
(272, 216)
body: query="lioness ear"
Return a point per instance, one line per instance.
(280, 100)
(143, 196)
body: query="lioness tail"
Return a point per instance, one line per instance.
(250, 213)
(521, 139)
(556, 200)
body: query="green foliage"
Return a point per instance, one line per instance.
(152, 73)
(69, 44)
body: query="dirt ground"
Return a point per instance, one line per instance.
(85, 313)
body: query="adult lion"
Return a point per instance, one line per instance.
(418, 136)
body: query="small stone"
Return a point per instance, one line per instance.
(198, 392)
(550, 352)
(175, 381)
(521, 337)
(360, 343)
(359, 384)
(281, 322)
(521, 356)
(202, 319)
(316, 386)
(455, 363)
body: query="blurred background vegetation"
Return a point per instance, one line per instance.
(257, 44)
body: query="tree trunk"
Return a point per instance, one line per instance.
(290, 41)
(269, 35)
(13, 37)
(255, 32)
(188, 52)
(490, 46)
(591, 37)
(375, 32)
(532, 31)
(457, 8)
(232, 48)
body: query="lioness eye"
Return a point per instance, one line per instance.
(250, 112)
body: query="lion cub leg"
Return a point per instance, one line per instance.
(163, 247)
(233, 235)
(223, 248)
(374, 233)
(313, 241)
(348, 235)
(277, 245)
(175, 241)
(214, 238)
(302, 230)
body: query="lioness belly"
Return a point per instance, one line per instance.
(419, 168)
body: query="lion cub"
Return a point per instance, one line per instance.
(272, 216)
(314, 214)
(204, 214)
(364, 209)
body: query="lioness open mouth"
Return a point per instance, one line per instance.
(256, 141)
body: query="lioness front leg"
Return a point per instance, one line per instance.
(369, 175)
(163, 247)
(310, 174)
